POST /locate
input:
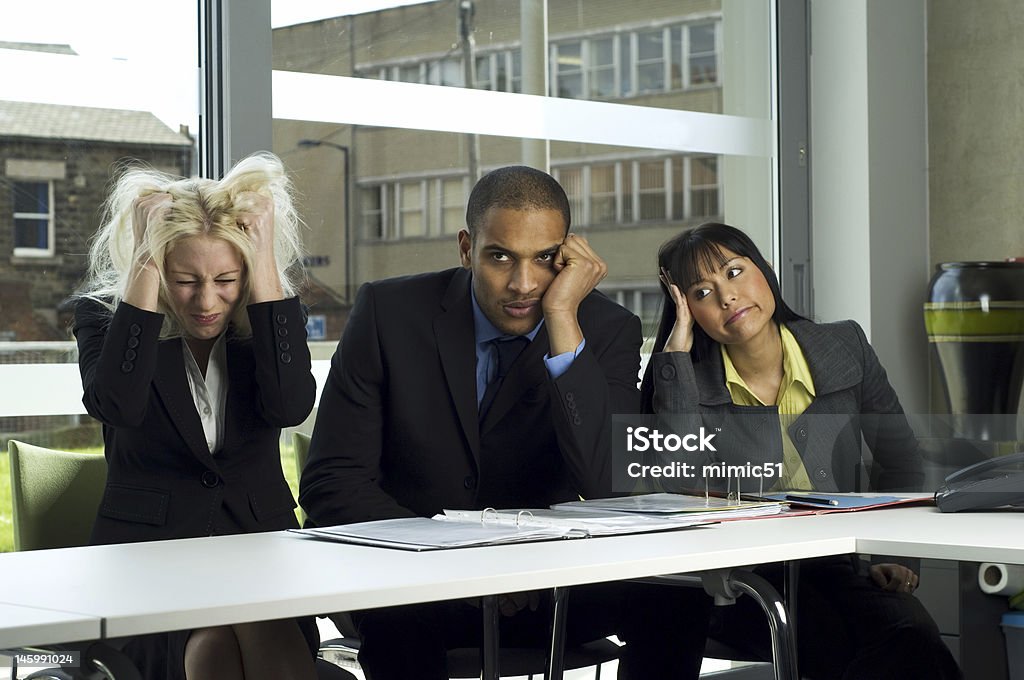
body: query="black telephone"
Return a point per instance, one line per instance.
(991, 483)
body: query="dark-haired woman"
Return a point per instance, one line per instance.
(728, 347)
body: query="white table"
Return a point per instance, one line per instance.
(22, 626)
(168, 585)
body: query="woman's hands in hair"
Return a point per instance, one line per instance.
(255, 217)
(143, 286)
(146, 211)
(681, 337)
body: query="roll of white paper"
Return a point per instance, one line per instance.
(1001, 579)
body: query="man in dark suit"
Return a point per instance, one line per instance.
(491, 385)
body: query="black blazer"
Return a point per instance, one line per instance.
(854, 401)
(397, 432)
(162, 481)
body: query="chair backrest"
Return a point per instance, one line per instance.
(300, 442)
(55, 495)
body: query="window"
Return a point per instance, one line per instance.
(650, 61)
(571, 180)
(373, 200)
(453, 205)
(602, 194)
(704, 199)
(568, 65)
(602, 68)
(33, 218)
(702, 57)
(412, 209)
(651, 190)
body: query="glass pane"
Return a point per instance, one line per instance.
(88, 87)
(629, 199)
(676, 63)
(702, 38)
(453, 213)
(649, 45)
(626, 63)
(571, 180)
(31, 233)
(703, 70)
(413, 223)
(602, 194)
(31, 197)
(678, 188)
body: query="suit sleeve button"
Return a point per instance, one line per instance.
(135, 329)
(283, 332)
(284, 346)
(129, 354)
(133, 342)
(286, 358)
(127, 367)
(281, 319)
(668, 372)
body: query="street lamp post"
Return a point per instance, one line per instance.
(309, 144)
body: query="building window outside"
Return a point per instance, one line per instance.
(650, 61)
(567, 62)
(603, 194)
(651, 190)
(412, 213)
(704, 187)
(453, 205)
(625, 64)
(373, 200)
(33, 218)
(703, 54)
(571, 180)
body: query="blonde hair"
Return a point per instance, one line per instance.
(199, 207)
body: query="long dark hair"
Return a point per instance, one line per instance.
(688, 257)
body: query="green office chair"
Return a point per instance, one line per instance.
(463, 662)
(55, 495)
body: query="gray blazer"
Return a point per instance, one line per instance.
(853, 399)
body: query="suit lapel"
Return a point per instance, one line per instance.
(172, 385)
(453, 330)
(833, 367)
(526, 373)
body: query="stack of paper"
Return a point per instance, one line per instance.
(673, 505)
(467, 528)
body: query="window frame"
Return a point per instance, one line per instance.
(49, 216)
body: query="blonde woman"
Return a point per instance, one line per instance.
(192, 349)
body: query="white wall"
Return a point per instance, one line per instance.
(869, 178)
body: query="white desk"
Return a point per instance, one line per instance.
(159, 586)
(24, 626)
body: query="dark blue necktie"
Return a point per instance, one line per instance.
(508, 350)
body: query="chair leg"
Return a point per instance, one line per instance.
(556, 655)
(492, 644)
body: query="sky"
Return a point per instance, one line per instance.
(147, 43)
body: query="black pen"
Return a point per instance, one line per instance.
(811, 499)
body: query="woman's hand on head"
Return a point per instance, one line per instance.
(147, 211)
(681, 337)
(255, 217)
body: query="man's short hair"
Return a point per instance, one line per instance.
(516, 187)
